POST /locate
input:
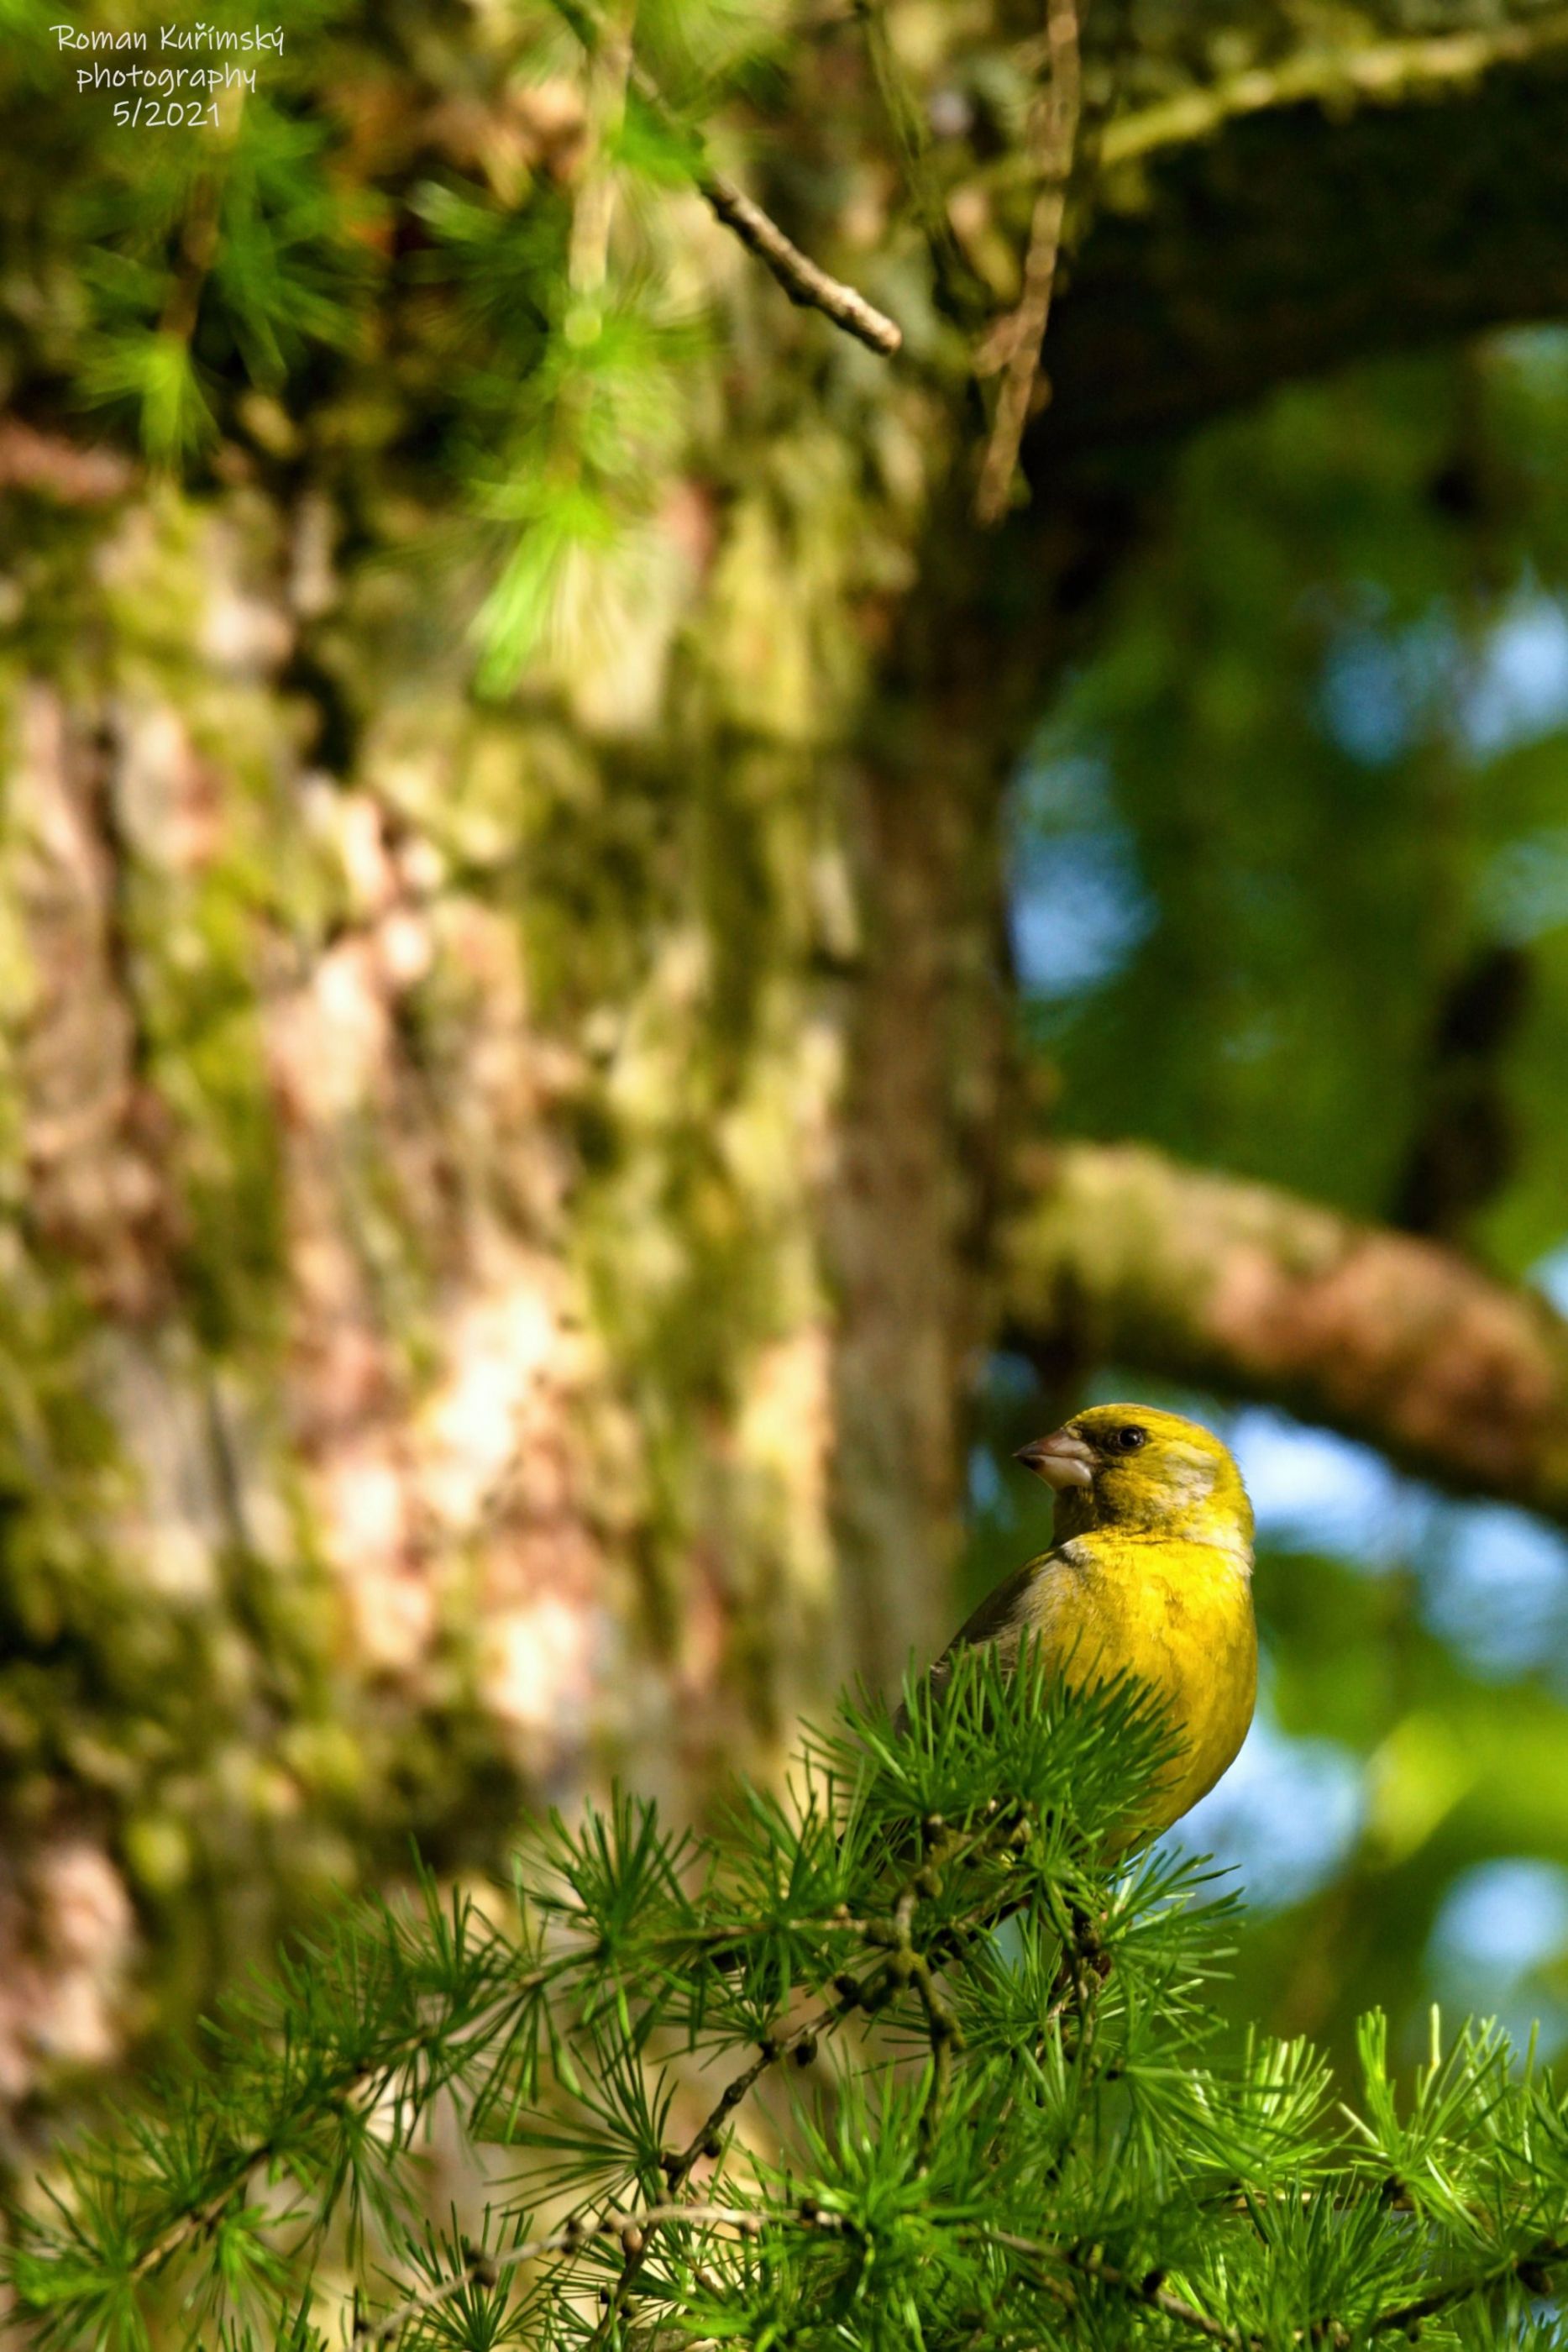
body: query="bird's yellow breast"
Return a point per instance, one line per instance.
(1176, 1614)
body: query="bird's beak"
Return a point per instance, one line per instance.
(1062, 1460)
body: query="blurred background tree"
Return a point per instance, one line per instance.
(606, 997)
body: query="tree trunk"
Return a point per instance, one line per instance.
(499, 1199)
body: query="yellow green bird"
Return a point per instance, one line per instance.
(1150, 1574)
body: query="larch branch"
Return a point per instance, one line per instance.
(850, 1993)
(486, 2269)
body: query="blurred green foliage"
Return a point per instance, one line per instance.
(1321, 763)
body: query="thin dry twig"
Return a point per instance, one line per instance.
(804, 281)
(802, 278)
(1053, 136)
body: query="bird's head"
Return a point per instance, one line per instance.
(1143, 1472)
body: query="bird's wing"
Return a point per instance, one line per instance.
(1000, 1614)
(1001, 1618)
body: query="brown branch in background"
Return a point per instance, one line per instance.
(804, 282)
(1053, 136)
(1248, 1289)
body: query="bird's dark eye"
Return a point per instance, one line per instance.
(1128, 1438)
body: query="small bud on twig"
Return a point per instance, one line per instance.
(481, 2266)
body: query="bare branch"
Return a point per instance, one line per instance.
(802, 279)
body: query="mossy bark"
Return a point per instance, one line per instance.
(488, 1216)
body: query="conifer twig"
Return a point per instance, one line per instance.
(486, 2269)
(850, 1995)
(993, 2206)
(588, 255)
(1150, 2290)
(205, 2214)
(1538, 2259)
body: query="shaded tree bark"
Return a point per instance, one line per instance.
(1279, 243)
